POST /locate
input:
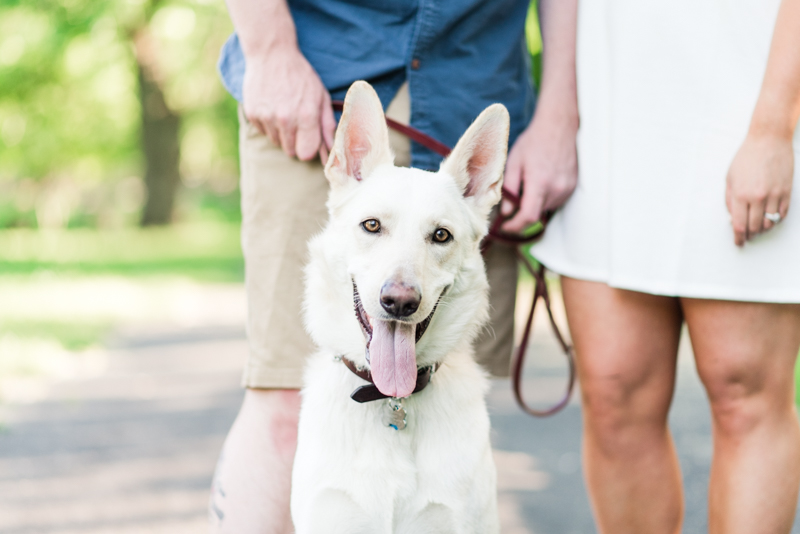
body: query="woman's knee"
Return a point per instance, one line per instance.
(745, 354)
(623, 414)
(744, 396)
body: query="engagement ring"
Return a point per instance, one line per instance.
(775, 218)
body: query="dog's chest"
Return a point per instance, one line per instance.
(436, 458)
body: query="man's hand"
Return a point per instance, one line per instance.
(759, 182)
(283, 95)
(543, 166)
(285, 99)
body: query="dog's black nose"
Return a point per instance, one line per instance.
(399, 300)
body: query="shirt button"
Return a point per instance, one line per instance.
(415, 63)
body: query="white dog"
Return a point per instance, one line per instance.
(398, 271)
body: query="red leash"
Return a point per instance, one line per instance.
(536, 270)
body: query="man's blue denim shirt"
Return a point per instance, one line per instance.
(459, 56)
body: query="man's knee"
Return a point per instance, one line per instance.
(275, 411)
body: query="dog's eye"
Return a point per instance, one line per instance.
(372, 226)
(442, 236)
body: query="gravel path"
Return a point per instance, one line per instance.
(133, 450)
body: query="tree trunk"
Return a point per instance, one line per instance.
(160, 142)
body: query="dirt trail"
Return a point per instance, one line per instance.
(131, 448)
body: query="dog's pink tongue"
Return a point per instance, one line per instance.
(393, 358)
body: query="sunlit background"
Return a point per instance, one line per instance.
(118, 165)
(121, 297)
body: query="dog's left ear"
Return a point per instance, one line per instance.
(478, 160)
(362, 138)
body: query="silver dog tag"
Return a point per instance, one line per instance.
(395, 416)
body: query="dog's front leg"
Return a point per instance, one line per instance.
(433, 519)
(334, 512)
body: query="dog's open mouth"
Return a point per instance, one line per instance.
(366, 322)
(391, 349)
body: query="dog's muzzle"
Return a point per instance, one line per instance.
(366, 325)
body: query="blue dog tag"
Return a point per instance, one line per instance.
(395, 416)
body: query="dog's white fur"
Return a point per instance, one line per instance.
(352, 474)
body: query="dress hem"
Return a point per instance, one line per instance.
(672, 289)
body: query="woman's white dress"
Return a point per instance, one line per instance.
(666, 91)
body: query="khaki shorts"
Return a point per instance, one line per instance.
(283, 205)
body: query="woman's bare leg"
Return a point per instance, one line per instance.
(626, 345)
(745, 355)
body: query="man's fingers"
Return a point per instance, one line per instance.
(739, 221)
(287, 129)
(308, 139)
(323, 154)
(328, 121)
(271, 132)
(257, 124)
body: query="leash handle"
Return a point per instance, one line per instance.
(497, 235)
(518, 359)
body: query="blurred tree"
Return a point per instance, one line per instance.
(160, 143)
(96, 94)
(102, 101)
(160, 125)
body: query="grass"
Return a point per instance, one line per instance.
(72, 336)
(207, 251)
(797, 382)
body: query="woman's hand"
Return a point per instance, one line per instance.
(761, 175)
(759, 182)
(543, 165)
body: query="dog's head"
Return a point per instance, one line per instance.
(402, 244)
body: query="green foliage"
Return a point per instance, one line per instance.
(797, 381)
(72, 336)
(204, 251)
(533, 37)
(70, 110)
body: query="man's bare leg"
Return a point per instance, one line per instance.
(250, 493)
(626, 345)
(745, 356)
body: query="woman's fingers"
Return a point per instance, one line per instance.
(739, 221)
(530, 211)
(511, 181)
(784, 206)
(755, 218)
(773, 206)
(764, 163)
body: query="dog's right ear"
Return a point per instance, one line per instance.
(362, 138)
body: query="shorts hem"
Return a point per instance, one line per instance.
(265, 377)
